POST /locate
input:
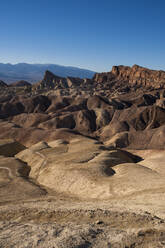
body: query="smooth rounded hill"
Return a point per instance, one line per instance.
(86, 169)
(14, 174)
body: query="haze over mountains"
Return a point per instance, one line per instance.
(34, 72)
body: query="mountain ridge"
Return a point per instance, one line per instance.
(34, 72)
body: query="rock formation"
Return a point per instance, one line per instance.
(135, 76)
(3, 84)
(82, 161)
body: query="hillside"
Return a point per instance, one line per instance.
(82, 160)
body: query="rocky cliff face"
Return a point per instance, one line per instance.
(135, 76)
(121, 79)
(50, 81)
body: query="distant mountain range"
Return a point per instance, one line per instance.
(34, 72)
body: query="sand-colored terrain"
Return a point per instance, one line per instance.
(82, 161)
(79, 193)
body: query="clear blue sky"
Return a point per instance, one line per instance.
(94, 34)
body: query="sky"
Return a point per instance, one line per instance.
(91, 34)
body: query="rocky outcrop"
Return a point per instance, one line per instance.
(74, 82)
(86, 121)
(3, 84)
(135, 76)
(51, 81)
(64, 121)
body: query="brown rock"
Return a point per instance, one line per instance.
(134, 76)
(64, 121)
(119, 140)
(9, 147)
(86, 121)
